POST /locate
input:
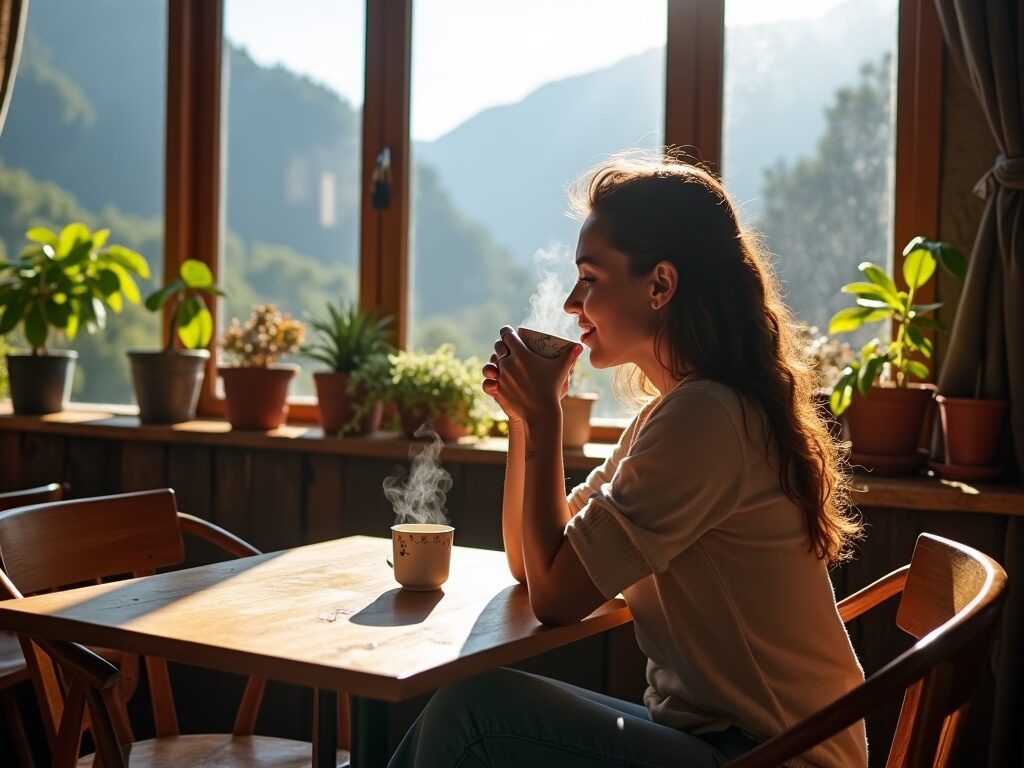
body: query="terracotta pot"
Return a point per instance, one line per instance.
(447, 428)
(337, 406)
(576, 411)
(167, 384)
(255, 397)
(971, 429)
(40, 383)
(889, 421)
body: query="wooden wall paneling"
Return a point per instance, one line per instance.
(478, 521)
(190, 474)
(259, 496)
(10, 461)
(43, 460)
(143, 466)
(232, 468)
(325, 493)
(364, 508)
(94, 466)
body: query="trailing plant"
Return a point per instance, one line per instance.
(66, 282)
(265, 336)
(347, 338)
(190, 317)
(432, 384)
(879, 300)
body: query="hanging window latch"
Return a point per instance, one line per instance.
(380, 192)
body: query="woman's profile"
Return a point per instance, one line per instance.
(716, 516)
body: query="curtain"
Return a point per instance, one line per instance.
(12, 25)
(986, 350)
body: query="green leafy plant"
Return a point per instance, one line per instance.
(265, 336)
(432, 384)
(190, 317)
(66, 282)
(347, 338)
(879, 300)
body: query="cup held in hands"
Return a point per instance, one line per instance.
(544, 344)
(421, 555)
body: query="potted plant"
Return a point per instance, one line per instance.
(63, 282)
(884, 410)
(346, 341)
(827, 358)
(167, 382)
(577, 406)
(440, 390)
(256, 388)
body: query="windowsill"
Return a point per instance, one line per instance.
(119, 423)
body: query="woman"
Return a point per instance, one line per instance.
(716, 516)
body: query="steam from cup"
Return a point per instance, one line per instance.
(421, 496)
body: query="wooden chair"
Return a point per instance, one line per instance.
(54, 545)
(13, 671)
(951, 599)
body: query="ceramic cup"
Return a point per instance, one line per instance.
(421, 555)
(544, 344)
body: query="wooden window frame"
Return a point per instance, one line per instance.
(695, 42)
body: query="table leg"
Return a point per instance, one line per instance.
(325, 717)
(369, 733)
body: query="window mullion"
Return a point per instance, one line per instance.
(192, 161)
(694, 52)
(384, 233)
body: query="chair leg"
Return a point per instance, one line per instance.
(12, 713)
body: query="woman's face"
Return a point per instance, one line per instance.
(612, 307)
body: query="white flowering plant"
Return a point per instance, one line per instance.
(265, 336)
(432, 384)
(827, 356)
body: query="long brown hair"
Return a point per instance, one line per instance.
(727, 321)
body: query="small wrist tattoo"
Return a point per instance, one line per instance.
(530, 454)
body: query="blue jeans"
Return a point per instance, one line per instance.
(508, 718)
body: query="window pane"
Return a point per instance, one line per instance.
(809, 140)
(511, 102)
(293, 96)
(84, 141)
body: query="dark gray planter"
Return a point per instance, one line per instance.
(40, 383)
(167, 384)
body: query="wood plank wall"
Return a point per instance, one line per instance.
(283, 498)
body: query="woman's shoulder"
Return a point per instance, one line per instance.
(695, 393)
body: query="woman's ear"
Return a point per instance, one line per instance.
(664, 279)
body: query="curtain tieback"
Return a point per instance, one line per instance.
(1007, 172)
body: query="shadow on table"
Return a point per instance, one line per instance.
(398, 608)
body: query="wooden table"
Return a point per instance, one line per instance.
(327, 615)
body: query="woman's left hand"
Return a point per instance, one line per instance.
(525, 383)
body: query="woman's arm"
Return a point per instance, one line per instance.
(561, 590)
(512, 500)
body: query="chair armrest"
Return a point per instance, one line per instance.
(78, 661)
(855, 705)
(873, 594)
(216, 535)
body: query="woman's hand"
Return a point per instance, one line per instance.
(523, 383)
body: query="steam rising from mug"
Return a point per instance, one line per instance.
(556, 275)
(420, 497)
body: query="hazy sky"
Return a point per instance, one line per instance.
(467, 54)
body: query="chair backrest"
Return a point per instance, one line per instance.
(53, 545)
(38, 495)
(952, 596)
(48, 546)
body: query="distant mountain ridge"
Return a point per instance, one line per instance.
(508, 166)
